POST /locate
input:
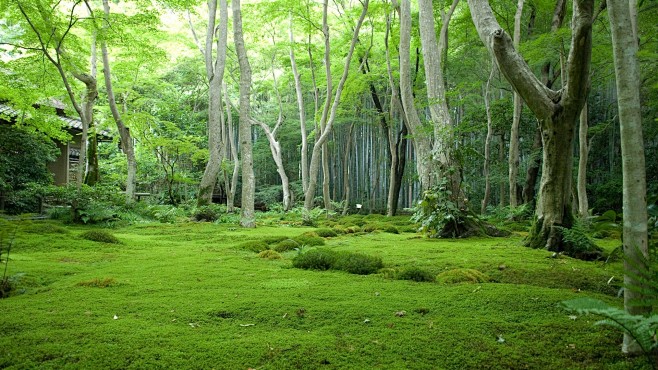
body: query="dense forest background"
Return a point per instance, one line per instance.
(163, 59)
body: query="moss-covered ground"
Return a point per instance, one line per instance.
(186, 296)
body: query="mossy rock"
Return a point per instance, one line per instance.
(270, 254)
(326, 233)
(462, 276)
(255, 246)
(100, 236)
(286, 245)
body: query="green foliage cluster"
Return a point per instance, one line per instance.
(101, 236)
(325, 259)
(209, 213)
(440, 217)
(23, 158)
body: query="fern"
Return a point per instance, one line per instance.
(641, 328)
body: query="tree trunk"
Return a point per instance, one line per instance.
(422, 143)
(627, 72)
(532, 173)
(247, 216)
(433, 58)
(583, 205)
(501, 159)
(487, 143)
(93, 173)
(398, 147)
(557, 112)
(233, 184)
(215, 75)
(302, 112)
(346, 170)
(326, 177)
(513, 160)
(328, 121)
(124, 132)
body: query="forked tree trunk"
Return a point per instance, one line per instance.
(247, 216)
(623, 21)
(422, 142)
(299, 92)
(557, 112)
(329, 116)
(215, 75)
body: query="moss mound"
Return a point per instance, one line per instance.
(286, 245)
(415, 274)
(100, 236)
(326, 233)
(270, 255)
(456, 276)
(255, 246)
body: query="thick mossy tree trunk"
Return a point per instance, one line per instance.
(557, 111)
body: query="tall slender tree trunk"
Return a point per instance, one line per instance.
(126, 139)
(623, 23)
(247, 216)
(215, 75)
(583, 205)
(299, 92)
(346, 170)
(532, 173)
(513, 159)
(93, 172)
(233, 183)
(397, 147)
(487, 143)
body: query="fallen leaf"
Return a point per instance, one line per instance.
(245, 325)
(400, 313)
(116, 317)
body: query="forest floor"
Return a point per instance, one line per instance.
(188, 296)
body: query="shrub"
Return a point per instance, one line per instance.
(316, 259)
(269, 254)
(100, 236)
(208, 213)
(326, 233)
(415, 274)
(462, 276)
(357, 263)
(286, 245)
(256, 246)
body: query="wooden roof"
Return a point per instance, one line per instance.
(72, 124)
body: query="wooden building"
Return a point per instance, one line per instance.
(64, 168)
